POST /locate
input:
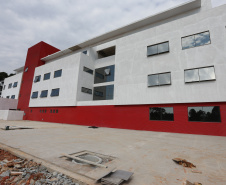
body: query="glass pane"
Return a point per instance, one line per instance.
(195, 114)
(164, 47)
(164, 79)
(47, 76)
(13, 97)
(188, 42)
(207, 73)
(55, 92)
(191, 75)
(86, 90)
(167, 114)
(212, 114)
(104, 74)
(202, 39)
(34, 95)
(37, 78)
(152, 50)
(86, 69)
(155, 113)
(15, 84)
(103, 93)
(10, 85)
(153, 80)
(57, 73)
(44, 93)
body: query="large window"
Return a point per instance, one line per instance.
(106, 52)
(158, 49)
(13, 97)
(204, 114)
(86, 69)
(34, 95)
(86, 90)
(159, 79)
(46, 76)
(195, 40)
(44, 94)
(37, 78)
(161, 113)
(15, 84)
(55, 92)
(103, 92)
(10, 85)
(58, 73)
(199, 74)
(104, 74)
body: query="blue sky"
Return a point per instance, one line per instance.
(64, 23)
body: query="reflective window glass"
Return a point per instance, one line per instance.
(161, 113)
(10, 85)
(188, 42)
(44, 94)
(207, 73)
(15, 84)
(104, 74)
(37, 78)
(158, 49)
(165, 79)
(202, 39)
(46, 76)
(34, 95)
(153, 80)
(191, 75)
(86, 69)
(58, 73)
(164, 47)
(55, 92)
(86, 90)
(167, 114)
(152, 50)
(13, 97)
(103, 92)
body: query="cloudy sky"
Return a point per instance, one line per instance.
(64, 23)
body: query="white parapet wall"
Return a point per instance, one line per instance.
(6, 104)
(11, 115)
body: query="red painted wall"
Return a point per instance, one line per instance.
(132, 117)
(34, 54)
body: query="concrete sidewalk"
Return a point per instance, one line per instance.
(148, 154)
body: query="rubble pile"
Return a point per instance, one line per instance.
(14, 171)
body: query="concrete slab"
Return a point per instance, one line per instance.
(148, 154)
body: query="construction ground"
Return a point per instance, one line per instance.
(147, 154)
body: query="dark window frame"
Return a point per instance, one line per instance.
(158, 79)
(89, 91)
(32, 95)
(55, 95)
(47, 74)
(157, 49)
(87, 70)
(57, 71)
(161, 114)
(205, 121)
(39, 77)
(194, 35)
(44, 96)
(199, 76)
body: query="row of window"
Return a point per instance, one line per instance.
(12, 97)
(190, 75)
(51, 111)
(44, 93)
(57, 74)
(198, 114)
(187, 42)
(11, 84)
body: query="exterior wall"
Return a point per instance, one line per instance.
(67, 82)
(11, 115)
(132, 117)
(6, 104)
(13, 90)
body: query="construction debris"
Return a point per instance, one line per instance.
(184, 163)
(16, 127)
(195, 183)
(116, 178)
(29, 172)
(196, 171)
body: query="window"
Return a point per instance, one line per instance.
(55, 92)
(44, 94)
(86, 90)
(159, 79)
(10, 85)
(195, 40)
(50, 110)
(86, 69)
(204, 114)
(103, 92)
(15, 84)
(104, 74)
(158, 49)
(85, 52)
(7, 97)
(199, 74)
(106, 52)
(58, 73)
(161, 113)
(57, 111)
(37, 78)
(4, 87)
(34, 95)
(13, 97)
(46, 76)
(53, 110)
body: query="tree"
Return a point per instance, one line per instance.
(3, 75)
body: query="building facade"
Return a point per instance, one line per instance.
(163, 73)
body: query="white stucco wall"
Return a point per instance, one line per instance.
(6, 104)
(11, 115)
(67, 82)
(13, 90)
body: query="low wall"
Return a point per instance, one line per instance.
(11, 115)
(6, 104)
